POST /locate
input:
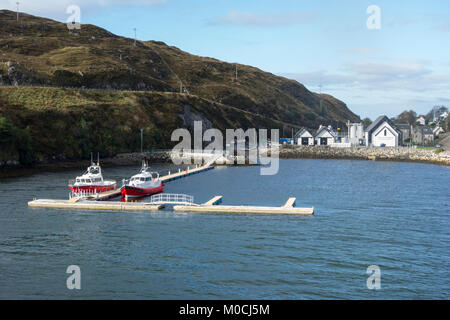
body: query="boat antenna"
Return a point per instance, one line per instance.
(92, 159)
(98, 158)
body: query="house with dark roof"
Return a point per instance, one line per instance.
(325, 136)
(304, 137)
(382, 133)
(422, 135)
(406, 130)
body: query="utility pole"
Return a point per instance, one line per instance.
(321, 107)
(181, 86)
(17, 11)
(134, 36)
(236, 73)
(142, 138)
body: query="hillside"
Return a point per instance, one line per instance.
(41, 52)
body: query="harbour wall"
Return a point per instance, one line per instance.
(363, 153)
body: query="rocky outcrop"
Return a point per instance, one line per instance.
(15, 74)
(189, 117)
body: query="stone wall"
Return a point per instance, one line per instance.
(137, 157)
(363, 153)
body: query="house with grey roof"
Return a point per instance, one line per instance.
(325, 136)
(304, 137)
(422, 135)
(406, 130)
(382, 133)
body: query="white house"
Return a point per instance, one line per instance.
(325, 136)
(437, 131)
(304, 138)
(355, 133)
(443, 115)
(382, 132)
(421, 120)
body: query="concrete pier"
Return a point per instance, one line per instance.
(214, 201)
(103, 196)
(94, 205)
(185, 173)
(212, 206)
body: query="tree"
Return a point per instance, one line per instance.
(408, 117)
(15, 142)
(366, 122)
(323, 109)
(435, 112)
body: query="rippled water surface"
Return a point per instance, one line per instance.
(394, 215)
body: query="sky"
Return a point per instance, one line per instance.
(402, 64)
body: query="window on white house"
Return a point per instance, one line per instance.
(385, 132)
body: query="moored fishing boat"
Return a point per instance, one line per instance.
(92, 181)
(145, 183)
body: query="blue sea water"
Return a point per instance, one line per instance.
(390, 214)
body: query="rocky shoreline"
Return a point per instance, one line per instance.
(14, 169)
(363, 153)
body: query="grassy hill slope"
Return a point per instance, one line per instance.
(41, 52)
(38, 123)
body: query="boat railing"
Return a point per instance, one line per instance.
(172, 198)
(83, 194)
(155, 175)
(71, 182)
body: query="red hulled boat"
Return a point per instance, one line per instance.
(92, 181)
(145, 183)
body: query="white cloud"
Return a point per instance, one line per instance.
(414, 76)
(370, 89)
(316, 78)
(362, 51)
(56, 9)
(263, 19)
(445, 26)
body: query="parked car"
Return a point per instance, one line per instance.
(437, 146)
(383, 145)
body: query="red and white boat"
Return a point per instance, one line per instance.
(92, 181)
(145, 183)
